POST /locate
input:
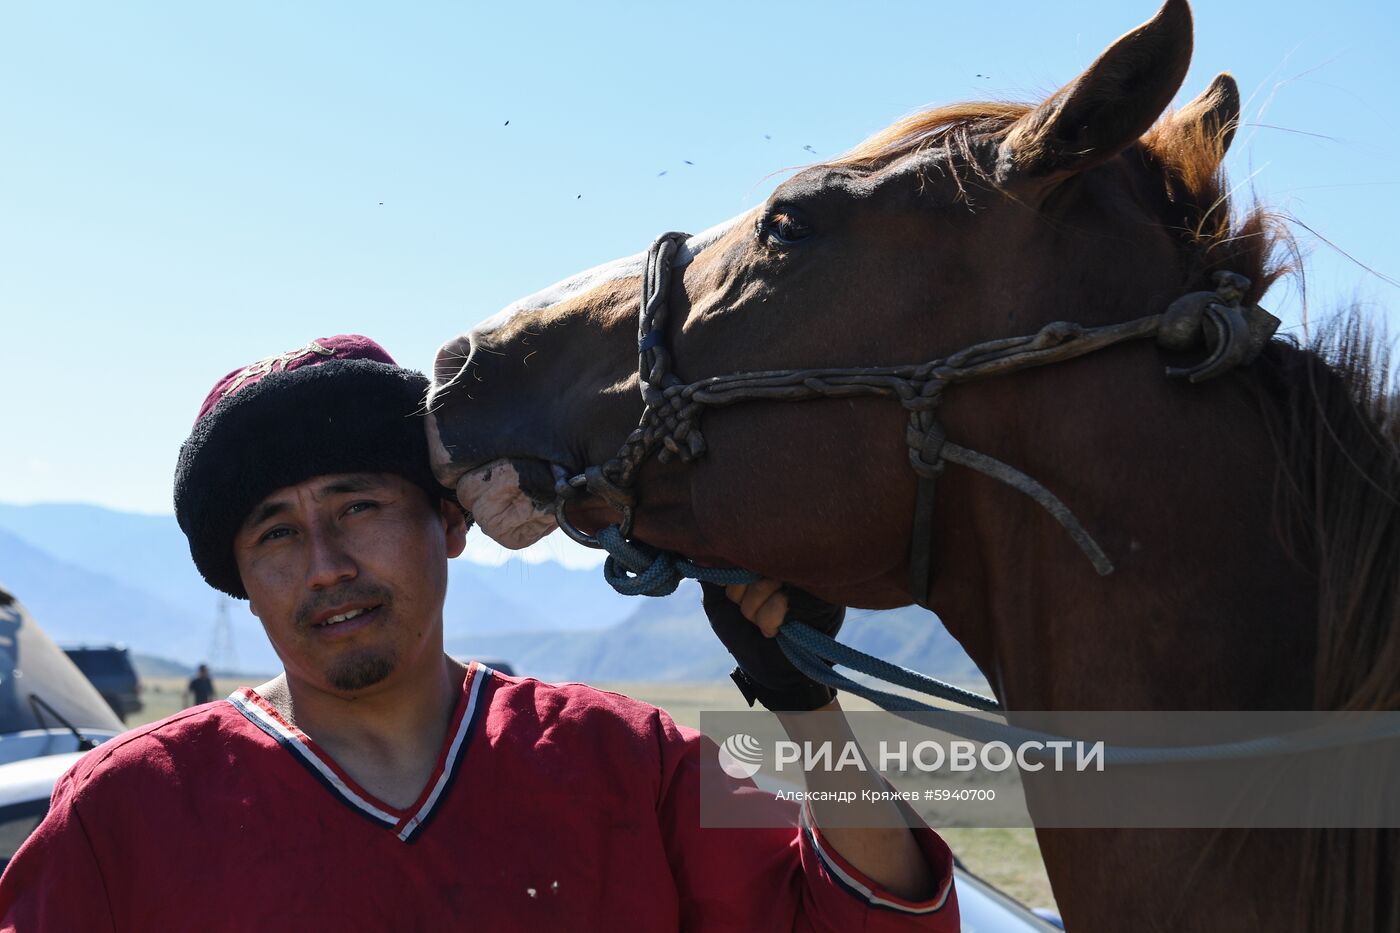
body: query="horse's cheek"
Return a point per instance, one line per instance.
(789, 503)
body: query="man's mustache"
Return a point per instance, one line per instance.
(349, 593)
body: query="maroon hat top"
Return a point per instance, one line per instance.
(339, 347)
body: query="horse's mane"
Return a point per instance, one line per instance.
(1195, 192)
(1332, 409)
(1330, 404)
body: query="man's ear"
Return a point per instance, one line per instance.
(1105, 109)
(456, 523)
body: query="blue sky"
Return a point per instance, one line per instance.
(188, 187)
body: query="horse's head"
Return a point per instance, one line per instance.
(952, 227)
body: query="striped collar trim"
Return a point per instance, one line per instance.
(406, 823)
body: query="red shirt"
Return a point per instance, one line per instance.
(552, 808)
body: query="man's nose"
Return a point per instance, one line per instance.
(330, 562)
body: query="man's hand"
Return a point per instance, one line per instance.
(746, 618)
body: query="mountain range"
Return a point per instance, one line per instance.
(94, 575)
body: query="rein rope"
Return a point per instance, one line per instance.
(1232, 333)
(658, 573)
(635, 569)
(794, 644)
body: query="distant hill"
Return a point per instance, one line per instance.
(664, 639)
(518, 595)
(670, 639)
(90, 574)
(151, 666)
(146, 552)
(76, 605)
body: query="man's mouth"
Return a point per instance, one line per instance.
(347, 620)
(343, 617)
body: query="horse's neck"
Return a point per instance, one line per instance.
(1202, 611)
(1174, 881)
(1176, 482)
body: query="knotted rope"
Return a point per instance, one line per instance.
(635, 569)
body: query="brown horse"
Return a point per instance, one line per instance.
(1252, 519)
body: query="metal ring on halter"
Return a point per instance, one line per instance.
(567, 487)
(583, 537)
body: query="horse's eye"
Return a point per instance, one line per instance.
(782, 228)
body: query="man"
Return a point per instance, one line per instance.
(200, 688)
(378, 784)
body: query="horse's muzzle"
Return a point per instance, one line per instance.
(503, 504)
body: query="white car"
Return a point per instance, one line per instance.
(984, 909)
(25, 787)
(49, 716)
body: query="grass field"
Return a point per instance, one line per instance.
(1008, 858)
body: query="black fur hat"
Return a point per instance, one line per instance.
(337, 405)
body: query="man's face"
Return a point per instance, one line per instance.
(347, 573)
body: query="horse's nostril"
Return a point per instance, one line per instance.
(452, 357)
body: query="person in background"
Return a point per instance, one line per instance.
(379, 783)
(200, 688)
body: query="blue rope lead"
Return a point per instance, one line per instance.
(635, 569)
(798, 640)
(1346, 732)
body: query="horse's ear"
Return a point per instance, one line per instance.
(1109, 106)
(1206, 126)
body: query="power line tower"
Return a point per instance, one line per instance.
(223, 656)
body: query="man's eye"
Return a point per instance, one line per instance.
(782, 228)
(273, 534)
(354, 507)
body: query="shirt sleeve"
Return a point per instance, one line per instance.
(54, 881)
(783, 877)
(880, 909)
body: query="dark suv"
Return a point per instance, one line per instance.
(109, 668)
